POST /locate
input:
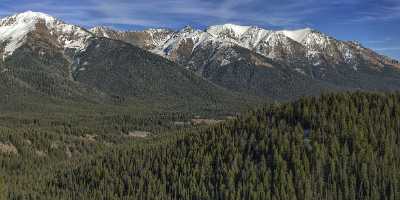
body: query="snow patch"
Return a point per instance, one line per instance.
(297, 35)
(174, 41)
(317, 63)
(254, 36)
(348, 56)
(236, 30)
(225, 62)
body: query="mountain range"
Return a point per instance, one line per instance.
(235, 57)
(44, 57)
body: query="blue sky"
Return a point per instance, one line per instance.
(375, 23)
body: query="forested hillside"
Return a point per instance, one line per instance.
(341, 146)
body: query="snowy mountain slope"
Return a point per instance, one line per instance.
(15, 29)
(148, 39)
(307, 45)
(297, 35)
(180, 45)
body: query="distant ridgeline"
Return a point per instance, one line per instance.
(342, 146)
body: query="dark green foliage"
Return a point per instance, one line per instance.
(45, 143)
(121, 69)
(2, 189)
(342, 146)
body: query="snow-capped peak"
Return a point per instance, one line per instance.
(297, 35)
(102, 31)
(27, 17)
(236, 30)
(14, 29)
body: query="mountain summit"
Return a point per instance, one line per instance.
(14, 31)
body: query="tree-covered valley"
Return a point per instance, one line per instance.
(336, 146)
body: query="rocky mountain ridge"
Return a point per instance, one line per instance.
(306, 46)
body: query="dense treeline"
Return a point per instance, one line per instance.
(342, 146)
(34, 145)
(2, 189)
